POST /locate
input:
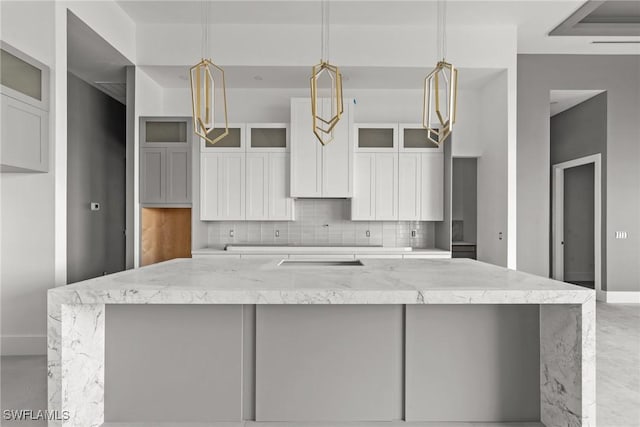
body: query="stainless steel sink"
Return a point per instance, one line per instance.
(320, 263)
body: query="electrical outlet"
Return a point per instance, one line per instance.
(621, 234)
(231, 233)
(277, 233)
(413, 233)
(368, 233)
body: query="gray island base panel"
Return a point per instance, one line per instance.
(76, 319)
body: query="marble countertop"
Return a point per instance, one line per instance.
(262, 281)
(331, 250)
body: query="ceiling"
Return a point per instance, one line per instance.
(94, 60)
(533, 18)
(602, 18)
(562, 100)
(298, 77)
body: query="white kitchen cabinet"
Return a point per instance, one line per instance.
(421, 186)
(375, 187)
(413, 139)
(257, 195)
(363, 203)
(24, 89)
(409, 188)
(280, 204)
(432, 183)
(222, 186)
(376, 137)
(386, 186)
(317, 170)
(165, 161)
(267, 188)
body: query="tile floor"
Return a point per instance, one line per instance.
(23, 378)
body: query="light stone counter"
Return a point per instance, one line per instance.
(567, 316)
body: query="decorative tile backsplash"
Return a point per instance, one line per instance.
(323, 222)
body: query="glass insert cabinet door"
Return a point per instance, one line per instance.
(23, 78)
(413, 137)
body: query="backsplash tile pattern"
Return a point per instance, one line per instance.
(323, 222)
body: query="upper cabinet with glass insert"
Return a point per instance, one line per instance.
(234, 141)
(163, 131)
(24, 88)
(267, 137)
(376, 137)
(413, 138)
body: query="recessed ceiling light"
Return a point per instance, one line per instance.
(554, 102)
(258, 78)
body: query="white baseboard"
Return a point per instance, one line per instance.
(619, 297)
(23, 345)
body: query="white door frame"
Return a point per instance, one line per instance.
(557, 204)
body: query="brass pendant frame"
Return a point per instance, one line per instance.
(323, 126)
(446, 116)
(203, 99)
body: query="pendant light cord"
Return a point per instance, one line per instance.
(442, 29)
(204, 20)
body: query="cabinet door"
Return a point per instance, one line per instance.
(432, 192)
(257, 198)
(363, 203)
(152, 175)
(209, 190)
(280, 204)
(337, 158)
(178, 175)
(409, 187)
(231, 181)
(306, 162)
(386, 185)
(25, 137)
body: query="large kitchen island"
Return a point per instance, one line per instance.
(326, 341)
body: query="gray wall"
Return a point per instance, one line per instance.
(95, 173)
(578, 132)
(618, 75)
(465, 197)
(579, 262)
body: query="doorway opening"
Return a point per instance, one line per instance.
(464, 208)
(97, 162)
(576, 206)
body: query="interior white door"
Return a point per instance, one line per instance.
(409, 188)
(363, 203)
(257, 194)
(386, 186)
(280, 204)
(432, 183)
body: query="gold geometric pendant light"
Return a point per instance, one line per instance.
(203, 77)
(203, 90)
(440, 89)
(326, 111)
